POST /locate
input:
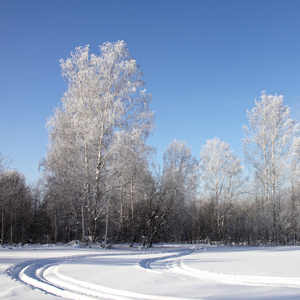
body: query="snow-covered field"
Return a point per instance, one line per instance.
(162, 272)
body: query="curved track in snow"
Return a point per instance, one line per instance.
(44, 275)
(175, 266)
(180, 268)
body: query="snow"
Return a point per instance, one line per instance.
(162, 272)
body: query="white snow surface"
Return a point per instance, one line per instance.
(162, 272)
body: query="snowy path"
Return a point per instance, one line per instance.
(45, 276)
(178, 272)
(180, 268)
(177, 266)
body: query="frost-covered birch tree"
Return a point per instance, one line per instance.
(294, 207)
(295, 161)
(105, 96)
(179, 181)
(130, 164)
(221, 182)
(267, 146)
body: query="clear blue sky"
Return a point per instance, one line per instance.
(204, 62)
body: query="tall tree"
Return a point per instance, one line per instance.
(267, 147)
(106, 96)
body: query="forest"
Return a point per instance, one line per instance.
(100, 180)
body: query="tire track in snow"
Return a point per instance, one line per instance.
(177, 267)
(255, 280)
(31, 273)
(146, 263)
(43, 274)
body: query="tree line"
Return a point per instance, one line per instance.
(100, 180)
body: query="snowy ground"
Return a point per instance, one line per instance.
(163, 272)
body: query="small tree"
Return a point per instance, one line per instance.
(179, 182)
(5, 163)
(221, 181)
(294, 207)
(16, 207)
